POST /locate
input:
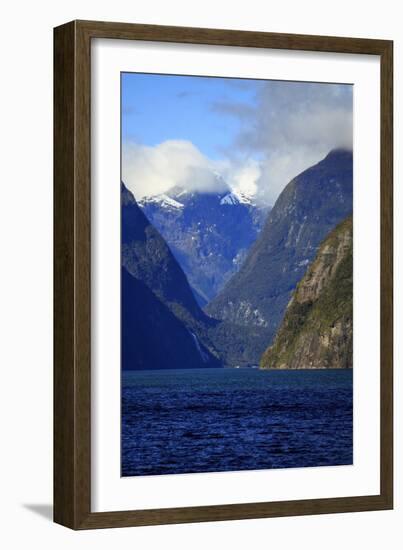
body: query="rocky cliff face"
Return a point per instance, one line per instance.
(317, 329)
(310, 206)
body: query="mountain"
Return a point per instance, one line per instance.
(317, 329)
(147, 257)
(152, 336)
(148, 260)
(208, 233)
(308, 208)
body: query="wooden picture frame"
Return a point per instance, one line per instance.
(72, 269)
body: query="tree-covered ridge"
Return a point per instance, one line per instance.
(317, 329)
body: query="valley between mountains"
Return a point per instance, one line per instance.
(220, 280)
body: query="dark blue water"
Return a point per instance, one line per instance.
(215, 420)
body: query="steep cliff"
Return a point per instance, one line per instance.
(159, 309)
(317, 329)
(310, 206)
(152, 336)
(148, 259)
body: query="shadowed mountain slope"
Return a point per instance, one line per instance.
(152, 337)
(158, 306)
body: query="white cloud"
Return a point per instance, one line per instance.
(151, 170)
(241, 176)
(290, 127)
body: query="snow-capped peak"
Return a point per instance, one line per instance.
(231, 198)
(162, 200)
(236, 197)
(244, 198)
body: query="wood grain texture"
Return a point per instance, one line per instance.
(72, 218)
(64, 382)
(221, 37)
(387, 273)
(72, 274)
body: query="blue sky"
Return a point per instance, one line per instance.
(157, 108)
(257, 134)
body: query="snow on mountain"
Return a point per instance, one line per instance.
(163, 200)
(208, 232)
(237, 197)
(179, 196)
(231, 198)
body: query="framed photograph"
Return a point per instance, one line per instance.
(222, 275)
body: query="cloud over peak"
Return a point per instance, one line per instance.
(150, 170)
(287, 127)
